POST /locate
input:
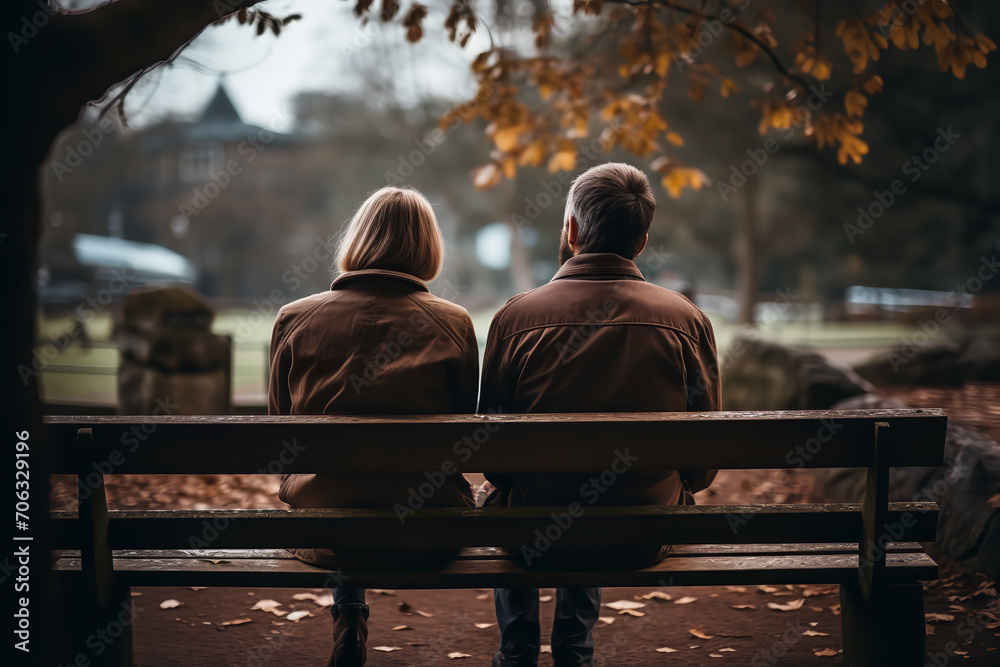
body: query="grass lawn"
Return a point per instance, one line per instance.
(78, 374)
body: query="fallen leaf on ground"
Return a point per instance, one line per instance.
(813, 633)
(325, 600)
(666, 649)
(631, 612)
(835, 609)
(744, 606)
(928, 629)
(483, 626)
(722, 650)
(483, 596)
(768, 589)
(545, 598)
(295, 616)
(736, 589)
(269, 606)
(607, 619)
(933, 618)
(685, 600)
(425, 614)
(699, 634)
(813, 623)
(402, 627)
(715, 655)
(136, 594)
(169, 604)
(791, 606)
(455, 655)
(237, 621)
(545, 648)
(655, 595)
(387, 649)
(381, 591)
(961, 652)
(197, 588)
(619, 605)
(824, 651)
(304, 596)
(816, 609)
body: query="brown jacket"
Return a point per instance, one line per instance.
(599, 338)
(377, 343)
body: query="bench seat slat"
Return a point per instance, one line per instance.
(494, 552)
(461, 527)
(582, 442)
(678, 570)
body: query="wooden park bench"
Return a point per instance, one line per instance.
(845, 544)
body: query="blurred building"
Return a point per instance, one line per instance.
(239, 201)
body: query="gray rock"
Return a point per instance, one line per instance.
(760, 375)
(968, 526)
(170, 360)
(980, 359)
(932, 364)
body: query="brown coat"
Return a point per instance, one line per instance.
(599, 338)
(377, 343)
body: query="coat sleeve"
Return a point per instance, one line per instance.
(279, 401)
(496, 392)
(703, 393)
(468, 373)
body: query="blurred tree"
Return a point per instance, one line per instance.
(540, 101)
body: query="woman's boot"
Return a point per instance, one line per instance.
(350, 634)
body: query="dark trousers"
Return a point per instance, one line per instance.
(520, 633)
(345, 595)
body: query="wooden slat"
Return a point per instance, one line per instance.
(494, 553)
(678, 571)
(500, 443)
(495, 526)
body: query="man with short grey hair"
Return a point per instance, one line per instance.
(596, 338)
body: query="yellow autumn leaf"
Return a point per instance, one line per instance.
(855, 103)
(675, 139)
(486, 176)
(728, 87)
(563, 160)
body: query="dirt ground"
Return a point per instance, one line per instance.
(700, 626)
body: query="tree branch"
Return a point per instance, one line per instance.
(731, 25)
(125, 39)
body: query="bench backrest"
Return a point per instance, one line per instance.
(541, 443)
(876, 440)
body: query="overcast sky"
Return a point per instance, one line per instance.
(328, 50)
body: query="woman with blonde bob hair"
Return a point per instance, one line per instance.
(377, 342)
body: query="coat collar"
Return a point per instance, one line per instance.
(599, 264)
(351, 277)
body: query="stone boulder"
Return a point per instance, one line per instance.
(761, 375)
(932, 364)
(935, 363)
(965, 489)
(170, 359)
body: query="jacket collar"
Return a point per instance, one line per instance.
(353, 277)
(605, 264)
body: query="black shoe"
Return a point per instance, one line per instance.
(350, 635)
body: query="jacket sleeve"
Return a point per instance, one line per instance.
(703, 393)
(468, 373)
(279, 401)
(495, 392)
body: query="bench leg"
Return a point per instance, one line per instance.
(888, 629)
(115, 624)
